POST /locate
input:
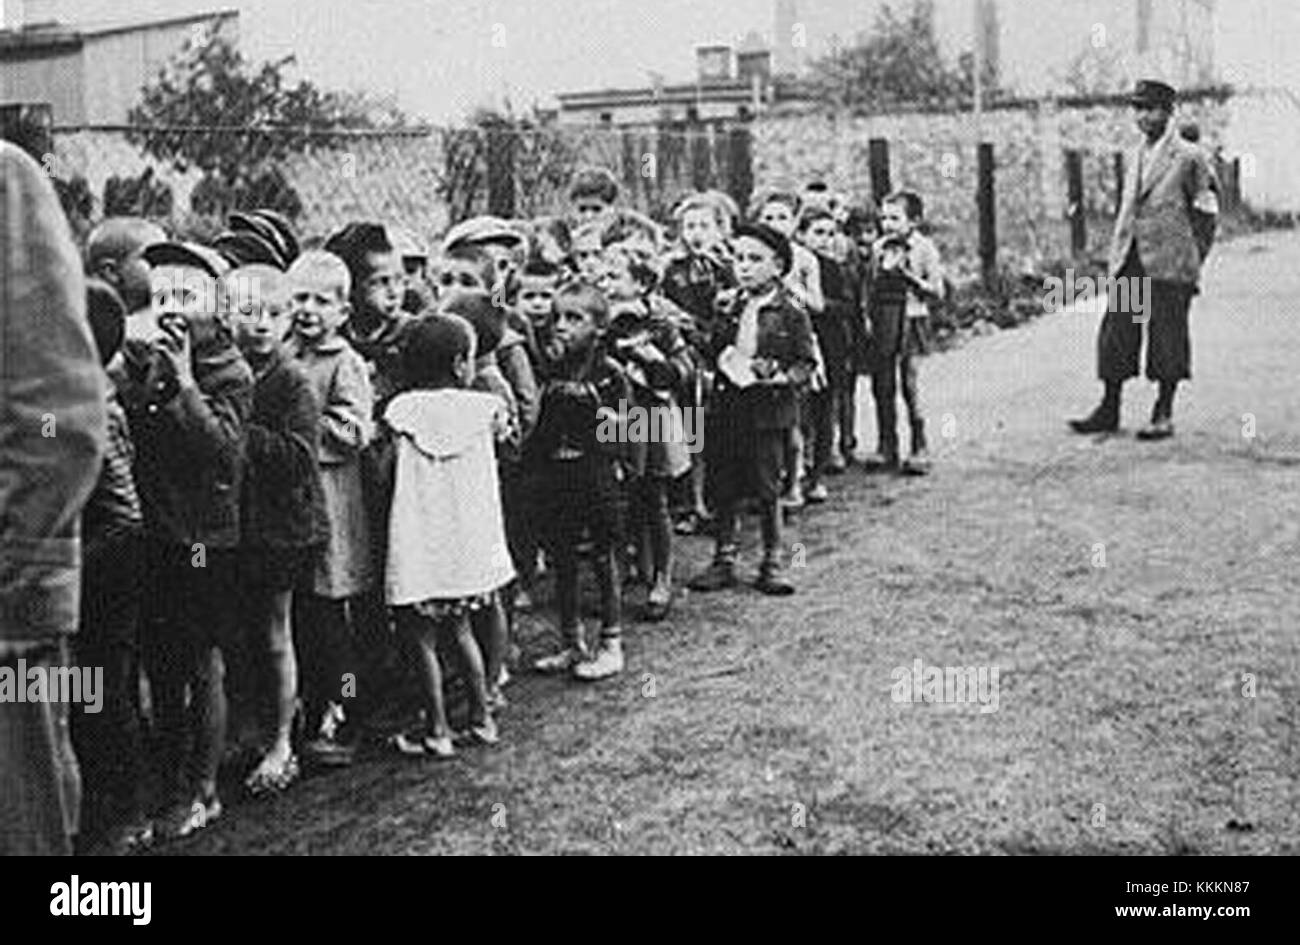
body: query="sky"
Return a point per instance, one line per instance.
(442, 58)
(439, 56)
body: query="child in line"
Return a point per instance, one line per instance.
(779, 209)
(819, 232)
(907, 276)
(188, 392)
(694, 278)
(447, 554)
(107, 743)
(319, 293)
(284, 521)
(376, 316)
(764, 352)
(593, 196)
(490, 624)
(650, 347)
(577, 478)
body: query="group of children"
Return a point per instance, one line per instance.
(338, 465)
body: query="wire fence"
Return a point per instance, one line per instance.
(1049, 192)
(420, 181)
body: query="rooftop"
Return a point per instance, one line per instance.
(34, 37)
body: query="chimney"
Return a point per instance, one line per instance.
(786, 56)
(754, 60)
(21, 13)
(713, 62)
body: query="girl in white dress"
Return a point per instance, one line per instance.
(447, 553)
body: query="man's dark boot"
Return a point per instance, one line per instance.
(719, 575)
(1161, 426)
(1105, 419)
(770, 581)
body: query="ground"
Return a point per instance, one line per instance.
(1147, 706)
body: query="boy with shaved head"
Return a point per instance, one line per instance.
(115, 253)
(283, 511)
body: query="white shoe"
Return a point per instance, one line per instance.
(608, 661)
(562, 661)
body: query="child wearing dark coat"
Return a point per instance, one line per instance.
(108, 742)
(573, 461)
(188, 392)
(284, 522)
(764, 350)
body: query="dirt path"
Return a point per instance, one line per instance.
(751, 725)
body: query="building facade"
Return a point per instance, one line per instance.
(93, 74)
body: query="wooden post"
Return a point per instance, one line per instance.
(501, 171)
(701, 157)
(878, 163)
(984, 201)
(740, 177)
(1074, 196)
(1119, 181)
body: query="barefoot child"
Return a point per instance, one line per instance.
(447, 553)
(283, 512)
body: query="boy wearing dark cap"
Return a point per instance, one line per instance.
(764, 351)
(188, 393)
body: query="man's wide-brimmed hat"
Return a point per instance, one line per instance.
(1150, 92)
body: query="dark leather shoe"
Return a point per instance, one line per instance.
(718, 576)
(1161, 429)
(1099, 421)
(881, 463)
(771, 583)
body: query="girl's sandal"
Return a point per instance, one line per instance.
(426, 746)
(273, 779)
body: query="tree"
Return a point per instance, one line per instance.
(212, 110)
(899, 63)
(143, 196)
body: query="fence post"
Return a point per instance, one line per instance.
(701, 172)
(1074, 191)
(740, 177)
(501, 171)
(878, 162)
(1119, 181)
(984, 201)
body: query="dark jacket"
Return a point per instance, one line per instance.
(785, 335)
(189, 444)
(112, 512)
(49, 369)
(569, 422)
(692, 281)
(283, 502)
(382, 351)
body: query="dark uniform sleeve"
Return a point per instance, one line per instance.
(49, 373)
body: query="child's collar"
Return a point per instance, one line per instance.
(334, 343)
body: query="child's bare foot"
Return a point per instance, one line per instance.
(275, 772)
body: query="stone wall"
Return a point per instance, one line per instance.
(935, 154)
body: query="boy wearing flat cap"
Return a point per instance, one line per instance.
(1162, 236)
(762, 345)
